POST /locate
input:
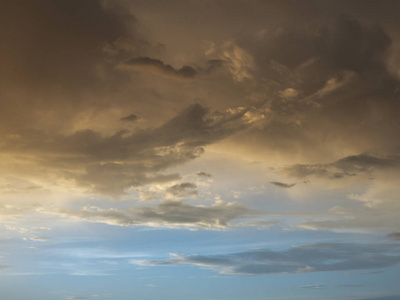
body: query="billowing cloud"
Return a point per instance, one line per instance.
(123, 160)
(328, 89)
(147, 113)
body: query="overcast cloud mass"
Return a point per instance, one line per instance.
(199, 149)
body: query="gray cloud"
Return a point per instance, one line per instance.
(347, 166)
(314, 286)
(52, 52)
(130, 118)
(394, 235)
(166, 214)
(122, 160)
(337, 74)
(342, 85)
(298, 259)
(282, 184)
(156, 66)
(182, 189)
(58, 28)
(203, 174)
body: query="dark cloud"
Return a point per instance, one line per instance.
(182, 189)
(339, 42)
(345, 167)
(166, 214)
(302, 171)
(328, 85)
(394, 235)
(130, 118)
(298, 259)
(282, 184)
(156, 66)
(58, 42)
(114, 163)
(365, 162)
(203, 174)
(52, 64)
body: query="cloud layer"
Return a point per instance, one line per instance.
(166, 214)
(298, 259)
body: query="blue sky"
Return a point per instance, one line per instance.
(219, 150)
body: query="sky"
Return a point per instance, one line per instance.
(202, 150)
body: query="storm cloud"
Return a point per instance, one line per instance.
(140, 156)
(156, 66)
(272, 124)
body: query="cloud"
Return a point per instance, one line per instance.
(298, 259)
(341, 89)
(378, 214)
(63, 61)
(289, 93)
(394, 235)
(258, 224)
(167, 214)
(9, 212)
(111, 164)
(347, 166)
(182, 189)
(81, 297)
(96, 253)
(157, 67)
(314, 286)
(282, 184)
(36, 239)
(203, 174)
(73, 23)
(335, 83)
(12, 185)
(239, 62)
(130, 118)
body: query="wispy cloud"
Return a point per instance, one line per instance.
(282, 184)
(298, 259)
(166, 214)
